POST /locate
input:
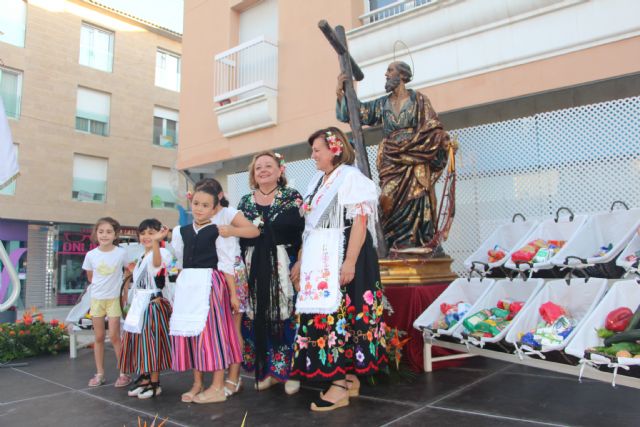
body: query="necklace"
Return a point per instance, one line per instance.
(269, 193)
(327, 174)
(201, 224)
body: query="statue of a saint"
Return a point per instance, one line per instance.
(411, 157)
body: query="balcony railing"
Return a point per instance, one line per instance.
(242, 70)
(392, 9)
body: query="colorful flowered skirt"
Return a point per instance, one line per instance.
(217, 346)
(150, 350)
(351, 340)
(280, 351)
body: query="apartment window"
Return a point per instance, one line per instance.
(13, 21)
(168, 70)
(89, 178)
(11, 91)
(165, 127)
(92, 111)
(96, 48)
(161, 190)
(10, 189)
(383, 9)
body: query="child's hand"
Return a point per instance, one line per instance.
(235, 304)
(226, 230)
(162, 234)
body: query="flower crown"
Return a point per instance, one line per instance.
(281, 162)
(335, 144)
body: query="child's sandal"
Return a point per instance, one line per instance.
(123, 381)
(236, 387)
(188, 396)
(97, 380)
(139, 385)
(151, 390)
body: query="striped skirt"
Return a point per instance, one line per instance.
(217, 346)
(150, 350)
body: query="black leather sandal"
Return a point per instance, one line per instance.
(321, 405)
(138, 385)
(353, 392)
(151, 390)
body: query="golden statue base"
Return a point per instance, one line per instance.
(412, 270)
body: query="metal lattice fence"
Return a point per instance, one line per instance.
(583, 158)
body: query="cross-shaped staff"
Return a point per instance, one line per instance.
(348, 67)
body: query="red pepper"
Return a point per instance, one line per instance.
(618, 319)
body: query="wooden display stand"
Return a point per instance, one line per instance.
(413, 270)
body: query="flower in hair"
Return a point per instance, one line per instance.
(281, 162)
(189, 195)
(335, 144)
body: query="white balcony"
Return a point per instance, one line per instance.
(455, 39)
(246, 87)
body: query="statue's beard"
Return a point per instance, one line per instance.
(392, 83)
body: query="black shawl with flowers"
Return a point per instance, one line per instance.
(280, 224)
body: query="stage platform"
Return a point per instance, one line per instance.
(52, 391)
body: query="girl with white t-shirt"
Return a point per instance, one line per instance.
(105, 266)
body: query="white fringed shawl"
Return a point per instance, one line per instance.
(346, 194)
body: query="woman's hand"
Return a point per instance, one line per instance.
(226, 230)
(235, 304)
(342, 77)
(294, 274)
(347, 272)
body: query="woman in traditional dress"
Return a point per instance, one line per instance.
(340, 331)
(269, 326)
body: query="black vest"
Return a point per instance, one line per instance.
(200, 247)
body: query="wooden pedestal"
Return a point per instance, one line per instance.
(412, 271)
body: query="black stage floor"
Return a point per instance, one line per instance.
(52, 391)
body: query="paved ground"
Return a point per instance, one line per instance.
(52, 391)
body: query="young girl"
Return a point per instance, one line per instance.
(232, 224)
(146, 347)
(105, 265)
(201, 326)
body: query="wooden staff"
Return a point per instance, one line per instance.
(348, 66)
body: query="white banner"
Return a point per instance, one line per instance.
(8, 158)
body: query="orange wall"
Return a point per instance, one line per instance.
(307, 72)
(584, 66)
(308, 68)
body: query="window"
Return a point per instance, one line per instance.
(165, 127)
(10, 189)
(96, 48)
(89, 178)
(383, 9)
(161, 190)
(168, 70)
(92, 111)
(11, 91)
(13, 21)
